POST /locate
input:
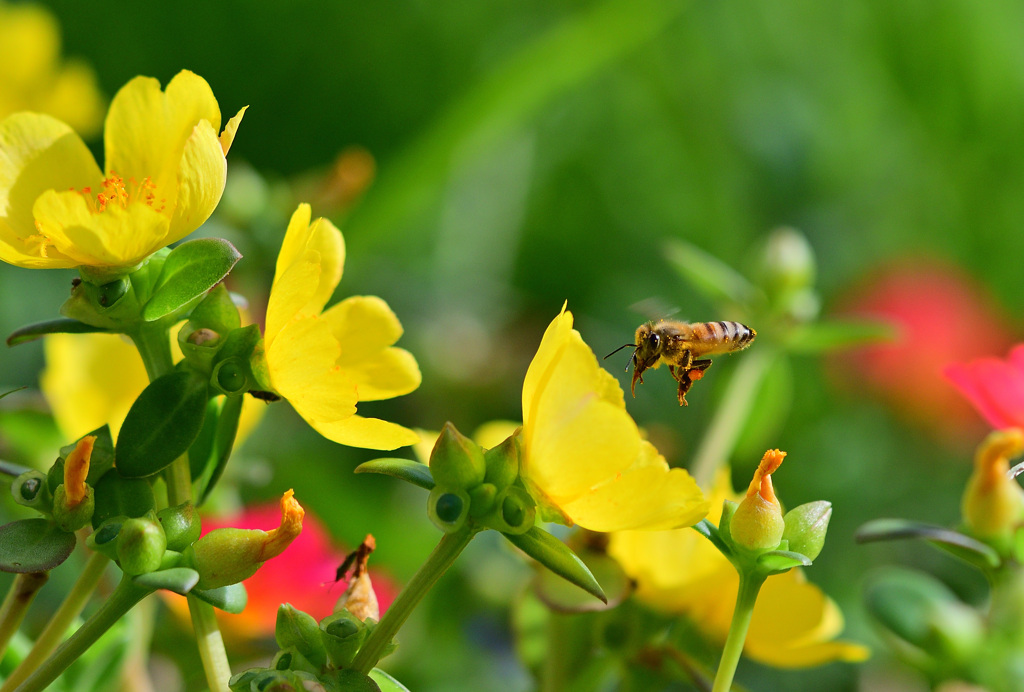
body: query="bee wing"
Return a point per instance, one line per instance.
(654, 309)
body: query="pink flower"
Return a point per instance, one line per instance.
(940, 317)
(994, 386)
(302, 575)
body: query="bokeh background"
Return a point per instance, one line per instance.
(516, 155)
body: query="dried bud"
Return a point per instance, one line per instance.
(359, 598)
(758, 523)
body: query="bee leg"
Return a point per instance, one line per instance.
(690, 375)
(684, 386)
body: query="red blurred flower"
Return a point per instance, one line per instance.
(994, 386)
(941, 317)
(302, 575)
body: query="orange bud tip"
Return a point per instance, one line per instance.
(76, 468)
(762, 482)
(992, 459)
(291, 526)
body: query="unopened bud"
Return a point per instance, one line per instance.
(993, 502)
(806, 527)
(515, 512)
(140, 545)
(300, 631)
(456, 461)
(228, 556)
(342, 634)
(758, 523)
(181, 525)
(30, 489)
(503, 462)
(448, 508)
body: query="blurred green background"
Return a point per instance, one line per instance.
(529, 153)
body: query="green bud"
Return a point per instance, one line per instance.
(141, 545)
(342, 635)
(291, 659)
(116, 495)
(111, 302)
(226, 556)
(217, 312)
(230, 377)
(181, 525)
(503, 462)
(71, 518)
(757, 524)
(806, 527)
(300, 631)
(109, 293)
(31, 490)
(104, 538)
(448, 509)
(481, 499)
(456, 461)
(515, 512)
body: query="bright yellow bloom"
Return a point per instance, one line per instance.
(583, 457)
(326, 361)
(165, 166)
(32, 77)
(93, 379)
(794, 623)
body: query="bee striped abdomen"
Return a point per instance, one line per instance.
(724, 336)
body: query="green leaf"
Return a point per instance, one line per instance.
(832, 335)
(717, 281)
(385, 682)
(557, 557)
(406, 469)
(62, 325)
(972, 551)
(559, 595)
(192, 269)
(162, 424)
(231, 598)
(710, 531)
(117, 496)
(779, 561)
(33, 545)
(180, 580)
(223, 441)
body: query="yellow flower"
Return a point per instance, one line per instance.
(93, 379)
(326, 361)
(32, 76)
(794, 624)
(583, 457)
(166, 171)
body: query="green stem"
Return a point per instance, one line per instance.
(449, 548)
(12, 470)
(58, 626)
(124, 597)
(556, 665)
(732, 413)
(211, 645)
(746, 597)
(23, 590)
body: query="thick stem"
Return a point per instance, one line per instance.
(23, 590)
(746, 597)
(449, 548)
(556, 665)
(58, 626)
(211, 645)
(732, 413)
(124, 597)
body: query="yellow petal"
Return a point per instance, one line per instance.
(364, 326)
(393, 372)
(301, 364)
(147, 129)
(648, 496)
(202, 174)
(37, 153)
(290, 293)
(227, 137)
(75, 98)
(301, 239)
(119, 236)
(554, 339)
(91, 379)
(369, 433)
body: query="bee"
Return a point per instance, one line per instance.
(682, 345)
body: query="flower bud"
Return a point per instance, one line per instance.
(503, 462)
(228, 556)
(229, 377)
(806, 527)
(359, 598)
(788, 261)
(74, 501)
(481, 499)
(993, 502)
(104, 539)
(181, 525)
(140, 545)
(448, 508)
(30, 489)
(291, 659)
(758, 523)
(456, 462)
(515, 512)
(300, 631)
(342, 634)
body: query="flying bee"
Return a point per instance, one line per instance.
(682, 346)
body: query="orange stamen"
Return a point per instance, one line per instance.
(76, 468)
(762, 480)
